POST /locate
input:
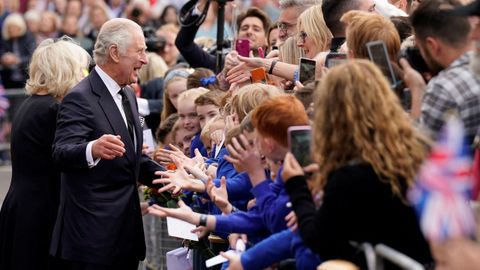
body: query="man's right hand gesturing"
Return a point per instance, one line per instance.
(108, 147)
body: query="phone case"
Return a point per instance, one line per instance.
(299, 144)
(258, 75)
(242, 46)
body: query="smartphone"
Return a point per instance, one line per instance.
(242, 46)
(299, 142)
(258, 75)
(377, 52)
(307, 70)
(335, 58)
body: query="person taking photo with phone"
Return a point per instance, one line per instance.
(368, 154)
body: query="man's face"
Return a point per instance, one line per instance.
(133, 59)
(287, 22)
(252, 29)
(188, 115)
(206, 112)
(428, 56)
(170, 52)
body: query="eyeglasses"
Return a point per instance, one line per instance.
(302, 36)
(284, 27)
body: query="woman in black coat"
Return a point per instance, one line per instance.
(368, 154)
(28, 213)
(16, 48)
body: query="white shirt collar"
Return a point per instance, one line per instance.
(111, 84)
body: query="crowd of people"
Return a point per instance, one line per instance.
(102, 77)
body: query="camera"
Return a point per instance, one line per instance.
(154, 43)
(415, 59)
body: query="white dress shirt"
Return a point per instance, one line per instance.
(113, 89)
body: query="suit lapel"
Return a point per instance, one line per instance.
(112, 113)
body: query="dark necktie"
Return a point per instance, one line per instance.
(128, 112)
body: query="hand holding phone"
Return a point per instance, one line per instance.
(261, 53)
(242, 46)
(307, 70)
(299, 142)
(377, 52)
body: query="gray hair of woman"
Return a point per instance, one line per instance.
(56, 67)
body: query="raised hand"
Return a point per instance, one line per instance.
(164, 156)
(183, 212)
(243, 155)
(234, 237)
(241, 72)
(200, 231)
(291, 167)
(219, 195)
(233, 259)
(291, 220)
(217, 136)
(178, 180)
(415, 82)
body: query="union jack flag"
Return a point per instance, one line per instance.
(444, 185)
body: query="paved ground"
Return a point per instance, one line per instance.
(5, 174)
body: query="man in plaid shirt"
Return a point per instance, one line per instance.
(444, 43)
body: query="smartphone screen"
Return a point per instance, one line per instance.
(307, 70)
(258, 75)
(377, 52)
(299, 140)
(334, 59)
(242, 46)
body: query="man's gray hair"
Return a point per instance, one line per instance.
(117, 32)
(300, 4)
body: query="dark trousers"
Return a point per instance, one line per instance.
(131, 264)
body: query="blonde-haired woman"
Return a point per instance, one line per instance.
(313, 34)
(30, 207)
(368, 153)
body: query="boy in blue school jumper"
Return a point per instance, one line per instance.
(271, 120)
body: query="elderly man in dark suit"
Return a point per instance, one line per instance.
(98, 147)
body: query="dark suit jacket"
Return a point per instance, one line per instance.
(193, 54)
(99, 219)
(153, 92)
